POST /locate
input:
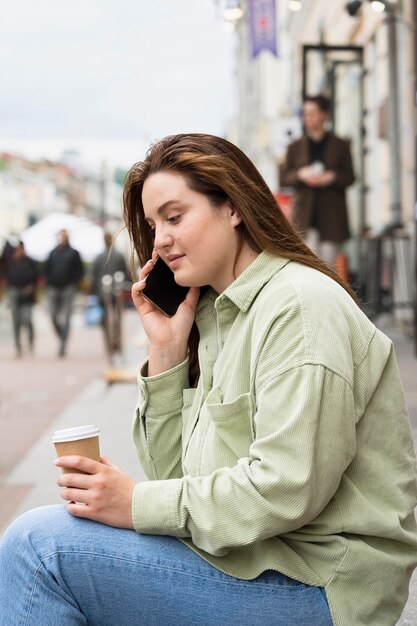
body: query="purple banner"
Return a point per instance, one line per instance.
(262, 26)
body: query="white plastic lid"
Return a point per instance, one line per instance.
(78, 432)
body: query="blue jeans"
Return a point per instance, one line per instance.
(56, 569)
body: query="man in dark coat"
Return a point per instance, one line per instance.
(63, 271)
(319, 168)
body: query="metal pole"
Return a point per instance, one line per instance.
(103, 193)
(394, 117)
(415, 178)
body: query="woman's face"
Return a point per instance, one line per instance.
(198, 242)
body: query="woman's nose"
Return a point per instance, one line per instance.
(162, 238)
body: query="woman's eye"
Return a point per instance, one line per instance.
(173, 219)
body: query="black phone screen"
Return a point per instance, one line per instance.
(162, 290)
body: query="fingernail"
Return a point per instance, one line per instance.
(141, 282)
(56, 461)
(150, 261)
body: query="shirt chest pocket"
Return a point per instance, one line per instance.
(229, 432)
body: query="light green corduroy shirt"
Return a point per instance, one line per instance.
(294, 453)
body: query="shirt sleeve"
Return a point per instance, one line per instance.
(304, 440)
(157, 422)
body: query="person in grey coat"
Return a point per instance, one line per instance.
(109, 279)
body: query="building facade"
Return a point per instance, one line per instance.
(364, 61)
(32, 189)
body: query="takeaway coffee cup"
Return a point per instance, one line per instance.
(81, 440)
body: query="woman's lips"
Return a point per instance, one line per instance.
(174, 260)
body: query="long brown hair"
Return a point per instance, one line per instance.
(218, 169)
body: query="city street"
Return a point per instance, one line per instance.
(40, 393)
(314, 102)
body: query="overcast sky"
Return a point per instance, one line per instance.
(106, 77)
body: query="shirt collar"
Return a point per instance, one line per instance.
(247, 285)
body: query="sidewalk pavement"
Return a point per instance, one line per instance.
(62, 393)
(41, 393)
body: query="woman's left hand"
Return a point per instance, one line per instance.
(103, 493)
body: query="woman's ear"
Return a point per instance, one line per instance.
(235, 216)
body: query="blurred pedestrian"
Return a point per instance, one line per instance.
(319, 168)
(6, 254)
(63, 272)
(21, 272)
(108, 280)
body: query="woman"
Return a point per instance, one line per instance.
(282, 456)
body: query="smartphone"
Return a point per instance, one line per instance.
(162, 290)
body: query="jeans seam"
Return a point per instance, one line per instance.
(30, 602)
(229, 581)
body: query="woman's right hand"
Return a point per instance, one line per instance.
(168, 336)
